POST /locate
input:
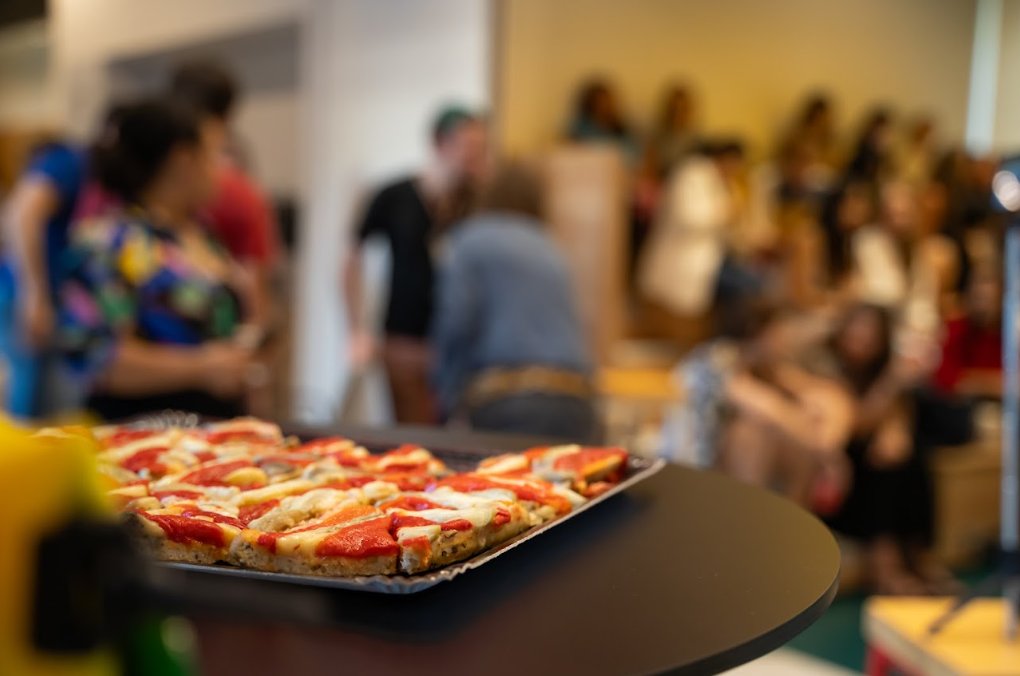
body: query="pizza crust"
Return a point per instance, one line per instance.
(151, 539)
(248, 555)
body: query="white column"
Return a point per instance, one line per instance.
(373, 74)
(984, 75)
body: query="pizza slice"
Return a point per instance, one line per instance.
(589, 471)
(353, 539)
(543, 500)
(443, 526)
(403, 460)
(232, 470)
(189, 532)
(242, 431)
(344, 451)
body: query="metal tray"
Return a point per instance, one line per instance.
(638, 469)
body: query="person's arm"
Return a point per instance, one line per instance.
(361, 346)
(981, 383)
(884, 395)
(138, 368)
(950, 370)
(804, 269)
(786, 416)
(829, 406)
(32, 203)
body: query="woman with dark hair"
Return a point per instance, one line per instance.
(675, 135)
(597, 118)
(889, 503)
(845, 210)
(510, 355)
(871, 160)
(151, 311)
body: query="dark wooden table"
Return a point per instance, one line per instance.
(687, 572)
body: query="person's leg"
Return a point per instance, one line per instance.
(798, 469)
(24, 369)
(542, 415)
(408, 362)
(748, 452)
(887, 495)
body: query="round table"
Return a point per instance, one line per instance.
(687, 572)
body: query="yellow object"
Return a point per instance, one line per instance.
(972, 644)
(638, 383)
(45, 479)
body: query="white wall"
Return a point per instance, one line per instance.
(375, 74)
(87, 34)
(269, 124)
(751, 61)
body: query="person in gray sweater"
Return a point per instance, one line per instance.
(510, 354)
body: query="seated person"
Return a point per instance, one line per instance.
(510, 355)
(971, 362)
(889, 502)
(752, 411)
(151, 310)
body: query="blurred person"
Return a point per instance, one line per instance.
(680, 265)
(971, 361)
(753, 411)
(914, 160)
(673, 139)
(814, 134)
(238, 213)
(782, 222)
(510, 352)
(675, 135)
(597, 118)
(844, 211)
(779, 199)
(902, 262)
(36, 219)
(412, 213)
(152, 307)
(964, 187)
(871, 156)
(889, 503)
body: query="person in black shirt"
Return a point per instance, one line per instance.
(410, 214)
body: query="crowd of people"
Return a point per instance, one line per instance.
(136, 274)
(854, 291)
(854, 297)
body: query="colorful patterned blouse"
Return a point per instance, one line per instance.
(130, 277)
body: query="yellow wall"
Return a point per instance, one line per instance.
(750, 60)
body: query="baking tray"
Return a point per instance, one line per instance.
(638, 469)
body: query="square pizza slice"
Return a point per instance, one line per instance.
(444, 526)
(189, 532)
(587, 470)
(542, 499)
(353, 539)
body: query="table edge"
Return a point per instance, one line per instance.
(772, 639)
